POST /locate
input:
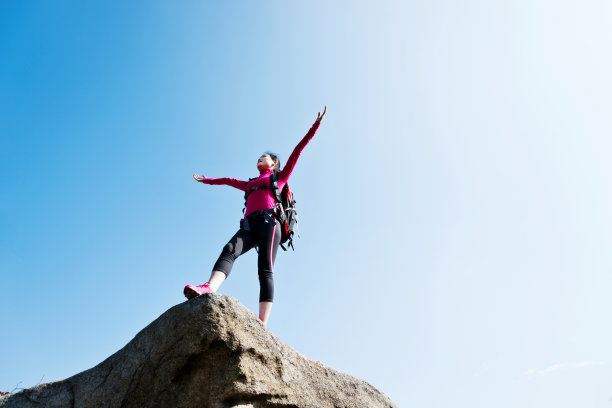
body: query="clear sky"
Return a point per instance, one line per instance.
(454, 205)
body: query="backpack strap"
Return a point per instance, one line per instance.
(277, 196)
(274, 185)
(290, 244)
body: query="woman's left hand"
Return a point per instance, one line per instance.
(319, 116)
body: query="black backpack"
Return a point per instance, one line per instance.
(284, 210)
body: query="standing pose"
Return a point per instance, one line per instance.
(260, 226)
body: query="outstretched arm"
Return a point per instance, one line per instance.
(239, 184)
(285, 173)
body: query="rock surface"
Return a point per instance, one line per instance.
(206, 352)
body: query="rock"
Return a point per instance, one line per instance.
(206, 352)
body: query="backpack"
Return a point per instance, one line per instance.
(284, 210)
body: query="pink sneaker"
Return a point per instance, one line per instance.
(191, 291)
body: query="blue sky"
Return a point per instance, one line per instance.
(454, 204)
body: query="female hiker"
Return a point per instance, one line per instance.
(260, 227)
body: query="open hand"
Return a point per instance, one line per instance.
(198, 178)
(319, 116)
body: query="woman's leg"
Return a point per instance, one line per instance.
(269, 236)
(240, 243)
(264, 312)
(216, 279)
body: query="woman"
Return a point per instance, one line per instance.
(259, 228)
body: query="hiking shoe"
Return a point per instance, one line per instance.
(191, 291)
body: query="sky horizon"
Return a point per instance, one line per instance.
(454, 205)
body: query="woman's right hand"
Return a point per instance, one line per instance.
(198, 178)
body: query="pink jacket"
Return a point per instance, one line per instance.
(263, 199)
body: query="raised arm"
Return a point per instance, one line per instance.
(239, 184)
(285, 173)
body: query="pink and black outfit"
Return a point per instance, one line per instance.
(261, 232)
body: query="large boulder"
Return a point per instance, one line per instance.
(206, 352)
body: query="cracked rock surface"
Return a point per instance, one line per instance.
(206, 352)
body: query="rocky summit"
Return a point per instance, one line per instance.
(206, 352)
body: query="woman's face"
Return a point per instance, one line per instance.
(265, 162)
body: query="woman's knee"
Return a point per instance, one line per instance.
(226, 259)
(228, 248)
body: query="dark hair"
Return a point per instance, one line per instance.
(277, 168)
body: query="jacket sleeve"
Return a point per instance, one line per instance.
(285, 173)
(239, 184)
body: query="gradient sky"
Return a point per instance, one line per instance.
(454, 205)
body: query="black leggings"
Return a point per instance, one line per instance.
(265, 235)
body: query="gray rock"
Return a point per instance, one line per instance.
(206, 352)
